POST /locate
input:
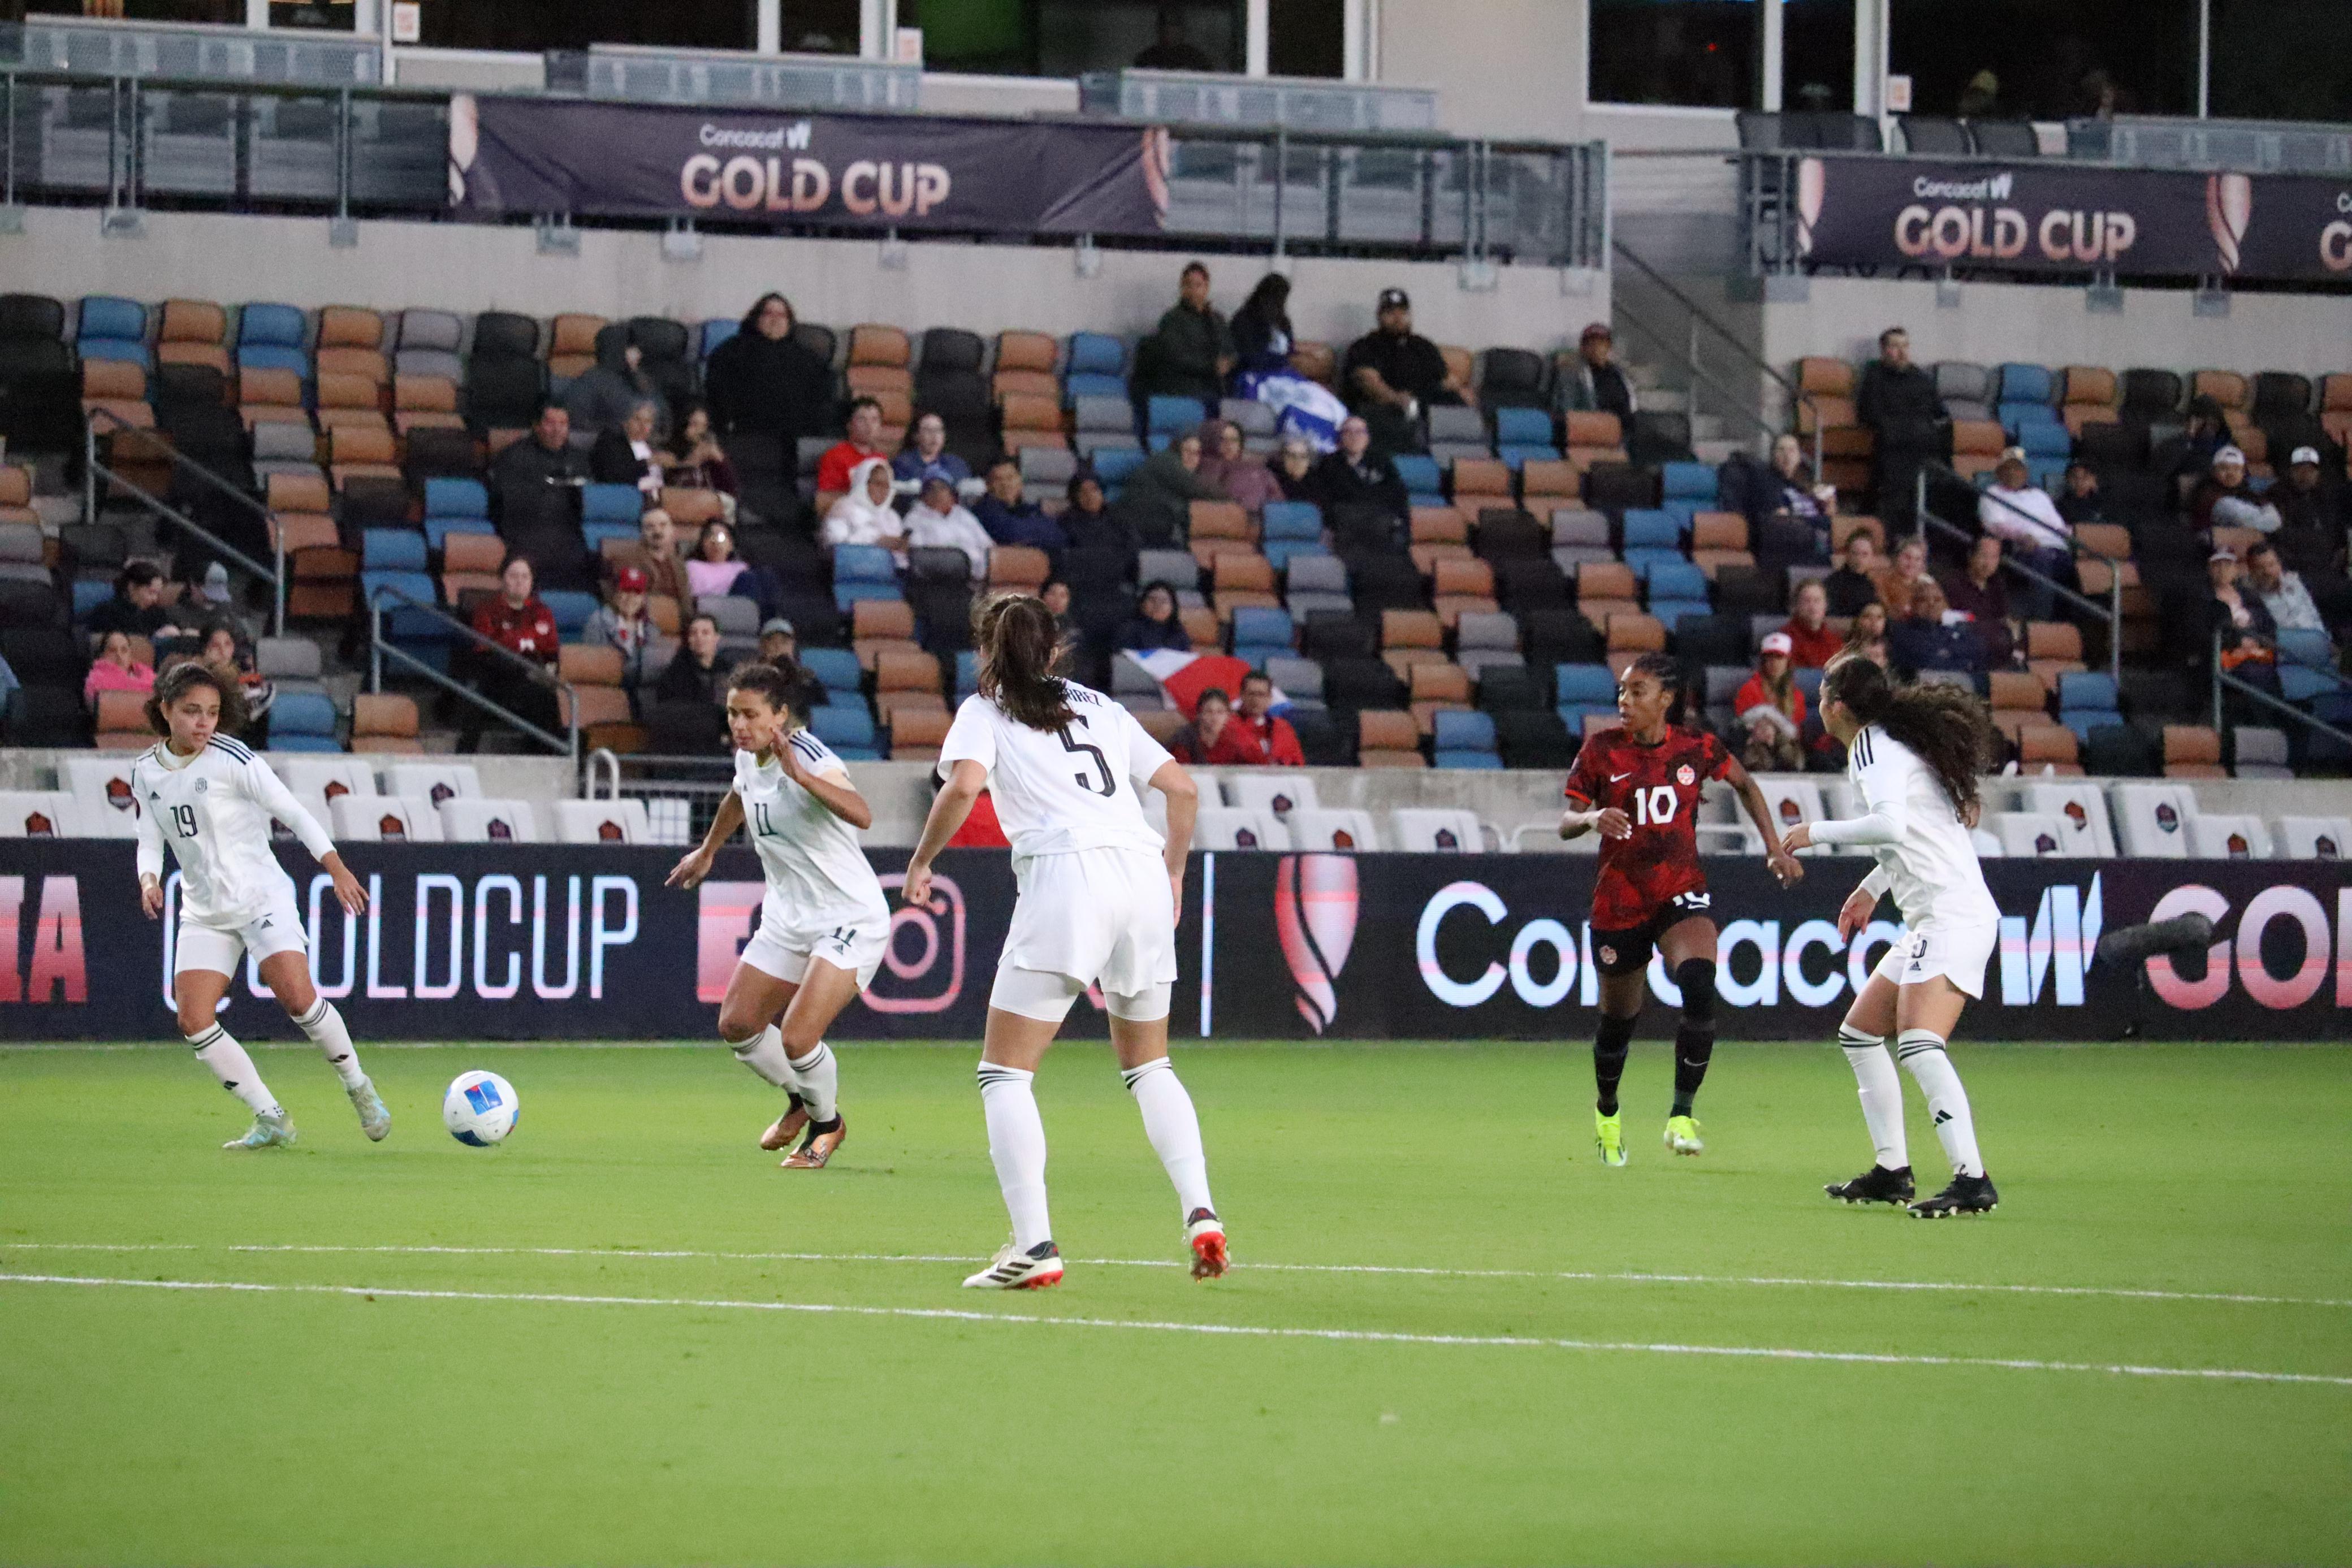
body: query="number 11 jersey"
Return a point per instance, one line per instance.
(1061, 791)
(1658, 788)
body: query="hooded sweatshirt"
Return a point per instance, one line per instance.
(854, 519)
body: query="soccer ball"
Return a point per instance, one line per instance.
(480, 1109)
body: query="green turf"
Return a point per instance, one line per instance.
(146, 1425)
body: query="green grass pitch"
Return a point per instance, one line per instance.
(1521, 1401)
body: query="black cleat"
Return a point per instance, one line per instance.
(1967, 1195)
(1877, 1184)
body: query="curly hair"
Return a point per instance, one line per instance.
(180, 679)
(1948, 728)
(1018, 646)
(780, 681)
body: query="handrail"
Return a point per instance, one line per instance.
(2112, 612)
(1739, 404)
(176, 516)
(2223, 677)
(1799, 397)
(569, 745)
(180, 460)
(602, 759)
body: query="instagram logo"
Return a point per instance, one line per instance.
(922, 970)
(1314, 918)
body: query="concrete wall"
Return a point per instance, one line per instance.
(503, 778)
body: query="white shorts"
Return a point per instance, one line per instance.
(1098, 916)
(217, 947)
(852, 940)
(1956, 950)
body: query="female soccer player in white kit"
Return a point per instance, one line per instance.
(1099, 892)
(824, 925)
(1913, 754)
(211, 801)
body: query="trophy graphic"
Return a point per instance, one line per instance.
(2229, 203)
(1315, 919)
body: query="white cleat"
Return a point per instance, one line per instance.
(267, 1132)
(375, 1120)
(1013, 1270)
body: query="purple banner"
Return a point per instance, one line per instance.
(511, 155)
(2069, 217)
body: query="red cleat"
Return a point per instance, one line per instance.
(1204, 1233)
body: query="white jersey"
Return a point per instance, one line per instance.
(815, 869)
(214, 809)
(1925, 856)
(1060, 791)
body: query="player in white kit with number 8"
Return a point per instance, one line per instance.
(1100, 893)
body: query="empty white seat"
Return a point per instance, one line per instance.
(2081, 809)
(1437, 830)
(385, 819)
(104, 806)
(1318, 828)
(2026, 834)
(2226, 838)
(325, 776)
(2314, 838)
(434, 781)
(38, 815)
(602, 822)
(1795, 801)
(474, 821)
(2152, 819)
(1276, 794)
(1237, 827)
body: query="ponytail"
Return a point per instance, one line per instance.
(1018, 646)
(1948, 729)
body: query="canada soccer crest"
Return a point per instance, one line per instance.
(1685, 776)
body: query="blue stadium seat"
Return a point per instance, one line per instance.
(1112, 464)
(1293, 520)
(612, 504)
(1460, 730)
(846, 595)
(717, 330)
(864, 563)
(1095, 353)
(1524, 428)
(1649, 528)
(88, 593)
(1688, 481)
(1676, 579)
(302, 721)
(834, 668)
(113, 328)
(456, 498)
(1282, 552)
(1515, 457)
(392, 549)
(571, 609)
(844, 727)
(1671, 612)
(595, 535)
(1421, 478)
(271, 336)
(2026, 383)
(1166, 415)
(2086, 699)
(1259, 631)
(438, 530)
(1591, 686)
(967, 674)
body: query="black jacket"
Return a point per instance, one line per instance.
(771, 386)
(688, 682)
(611, 461)
(1849, 591)
(1901, 405)
(1374, 483)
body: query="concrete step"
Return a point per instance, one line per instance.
(1716, 451)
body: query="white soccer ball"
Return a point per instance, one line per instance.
(480, 1109)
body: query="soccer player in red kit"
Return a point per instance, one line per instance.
(1638, 786)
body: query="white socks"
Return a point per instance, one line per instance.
(325, 1026)
(763, 1053)
(1174, 1131)
(234, 1069)
(1016, 1144)
(1882, 1095)
(1922, 1050)
(819, 1077)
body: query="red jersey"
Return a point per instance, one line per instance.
(1657, 787)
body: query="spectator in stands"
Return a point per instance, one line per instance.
(1978, 593)
(1356, 476)
(625, 454)
(939, 521)
(1088, 521)
(515, 618)
(713, 566)
(1226, 464)
(1171, 50)
(1793, 490)
(763, 381)
(1865, 638)
(602, 397)
(926, 457)
(1191, 352)
(537, 479)
(778, 641)
(695, 461)
(2224, 500)
(1261, 334)
(116, 669)
(2311, 534)
(137, 606)
(1293, 470)
(2081, 502)
(655, 555)
(1156, 624)
(1898, 582)
(699, 673)
(1056, 597)
(1812, 643)
(863, 442)
(2281, 592)
(1981, 99)
(1011, 520)
(1197, 743)
(1159, 496)
(1595, 384)
(623, 625)
(2014, 510)
(1855, 583)
(2188, 456)
(226, 647)
(1392, 373)
(2248, 635)
(1924, 639)
(864, 515)
(1772, 706)
(1266, 739)
(1898, 403)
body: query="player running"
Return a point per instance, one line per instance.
(824, 926)
(211, 801)
(1913, 754)
(1100, 893)
(1638, 786)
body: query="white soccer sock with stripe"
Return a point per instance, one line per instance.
(1881, 1090)
(325, 1026)
(1016, 1144)
(763, 1053)
(820, 1081)
(1174, 1129)
(218, 1050)
(1922, 1051)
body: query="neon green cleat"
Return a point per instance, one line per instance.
(267, 1132)
(1682, 1136)
(1609, 1136)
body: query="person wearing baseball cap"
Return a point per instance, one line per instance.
(1595, 384)
(624, 625)
(2022, 515)
(1772, 706)
(778, 641)
(1392, 373)
(2312, 519)
(2225, 499)
(2247, 635)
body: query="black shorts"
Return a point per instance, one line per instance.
(1628, 952)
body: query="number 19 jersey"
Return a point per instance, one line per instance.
(1061, 791)
(1657, 787)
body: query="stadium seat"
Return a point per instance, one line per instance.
(601, 821)
(38, 815)
(432, 781)
(2081, 812)
(1345, 831)
(385, 818)
(2233, 837)
(1238, 828)
(471, 820)
(2152, 820)
(1428, 830)
(2314, 838)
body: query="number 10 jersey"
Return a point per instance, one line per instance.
(1061, 791)
(1658, 788)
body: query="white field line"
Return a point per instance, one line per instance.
(1628, 1277)
(1234, 1330)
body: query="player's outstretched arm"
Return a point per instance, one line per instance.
(696, 864)
(1183, 808)
(1777, 857)
(949, 807)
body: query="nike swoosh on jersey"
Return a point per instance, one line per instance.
(1619, 778)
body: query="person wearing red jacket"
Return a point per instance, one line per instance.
(1812, 643)
(1267, 741)
(519, 621)
(863, 442)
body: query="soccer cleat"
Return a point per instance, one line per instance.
(1204, 1233)
(1877, 1184)
(267, 1132)
(1609, 1137)
(1967, 1195)
(817, 1147)
(375, 1120)
(1012, 1269)
(786, 1127)
(1682, 1136)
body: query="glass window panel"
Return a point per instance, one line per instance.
(1817, 56)
(2047, 62)
(1699, 53)
(2282, 59)
(1307, 37)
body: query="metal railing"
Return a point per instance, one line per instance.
(381, 647)
(2111, 612)
(94, 471)
(2226, 678)
(1743, 406)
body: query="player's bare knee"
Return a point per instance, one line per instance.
(1696, 978)
(195, 1020)
(739, 1027)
